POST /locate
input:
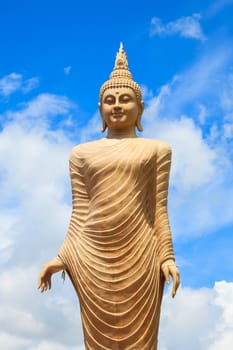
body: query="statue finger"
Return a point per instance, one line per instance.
(39, 282)
(166, 274)
(43, 287)
(176, 283)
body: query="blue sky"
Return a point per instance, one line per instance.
(55, 55)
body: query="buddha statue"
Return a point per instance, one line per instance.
(118, 250)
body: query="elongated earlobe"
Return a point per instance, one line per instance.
(138, 121)
(104, 125)
(138, 124)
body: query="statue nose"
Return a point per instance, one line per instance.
(117, 108)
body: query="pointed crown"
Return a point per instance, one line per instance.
(121, 76)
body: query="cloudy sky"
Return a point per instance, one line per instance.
(55, 54)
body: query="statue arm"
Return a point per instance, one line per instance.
(165, 251)
(80, 208)
(79, 212)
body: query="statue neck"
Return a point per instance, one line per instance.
(121, 133)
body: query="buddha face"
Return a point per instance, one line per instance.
(120, 109)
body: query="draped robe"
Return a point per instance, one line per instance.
(118, 237)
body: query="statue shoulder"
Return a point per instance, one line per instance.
(81, 150)
(160, 147)
(74, 153)
(163, 147)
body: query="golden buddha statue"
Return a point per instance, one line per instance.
(118, 250)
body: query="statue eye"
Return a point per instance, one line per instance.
(109, 100)
(125, 98)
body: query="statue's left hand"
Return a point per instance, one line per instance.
(169, 268)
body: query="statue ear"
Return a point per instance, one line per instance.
(138, 121)
(104, 125)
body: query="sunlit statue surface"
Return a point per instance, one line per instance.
(118, 250)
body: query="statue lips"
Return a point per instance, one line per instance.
(117, 115)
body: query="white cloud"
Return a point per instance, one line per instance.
(203, 114)
(12, 342)
(92, 130)
(225, 341)
(146, 93)
(41, 108)
(8, 224)
(225, 301)
(36, 177)
(198, 319)
(15, 82)
(30, 84)
(10, 83)
(55, 346)
(187, 27)
(228, 131)
(43, 319)
(27, 324)
(67, 70)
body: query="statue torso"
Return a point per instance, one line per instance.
(120, 176)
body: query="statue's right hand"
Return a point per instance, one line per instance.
(45, 275)
(44, 280)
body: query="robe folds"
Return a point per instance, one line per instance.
(118, 237)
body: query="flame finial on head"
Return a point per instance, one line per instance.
(121, 69)
(121, 76)
(121, 59)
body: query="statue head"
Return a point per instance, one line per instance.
(121, 80)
